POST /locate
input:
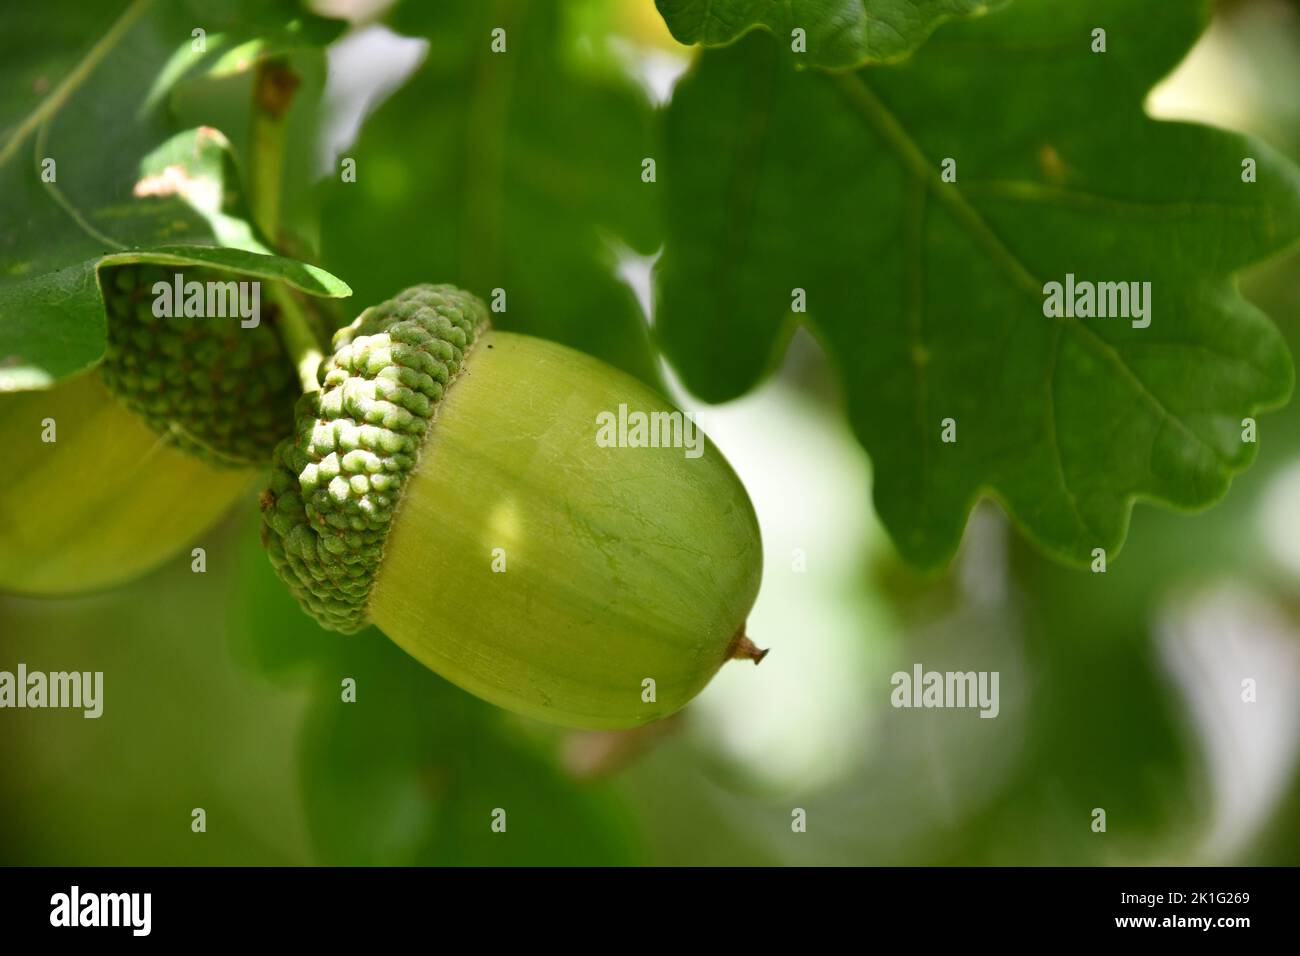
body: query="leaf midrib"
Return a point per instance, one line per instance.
(51, 104)
(895, 135)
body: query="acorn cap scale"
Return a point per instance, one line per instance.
(206, 384)
(335, 486)
(446, 484)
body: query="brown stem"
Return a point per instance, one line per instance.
(742, 648)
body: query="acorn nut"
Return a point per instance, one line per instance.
(446, 484)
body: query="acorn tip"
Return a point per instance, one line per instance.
(744, 648)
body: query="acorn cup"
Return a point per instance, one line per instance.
(117, 469)
(446, 484)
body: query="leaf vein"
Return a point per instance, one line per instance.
(888, 127)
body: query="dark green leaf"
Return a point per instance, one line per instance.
(503, 170)
(302, 276)
(930, 294)
(52, 326)
(82, 174)
(110, 64)
(836, 33)
(52, 322)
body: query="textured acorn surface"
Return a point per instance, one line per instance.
(335, 485)
(106, 502)
(206, 384)
(622, 565)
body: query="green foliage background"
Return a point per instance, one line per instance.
(221, 694)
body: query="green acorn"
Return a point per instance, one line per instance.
(209, 385)
(119, 468)
(446, 484)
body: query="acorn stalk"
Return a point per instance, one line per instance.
(447, 485)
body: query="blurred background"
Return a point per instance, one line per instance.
(1119, 691)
